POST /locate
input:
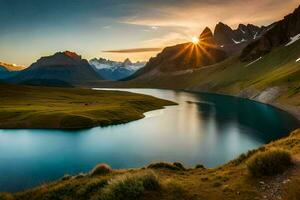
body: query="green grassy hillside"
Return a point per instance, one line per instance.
(172, 181)
(44, 107)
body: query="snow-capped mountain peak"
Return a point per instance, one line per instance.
(114, 70)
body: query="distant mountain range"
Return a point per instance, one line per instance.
(113, 70)
(10, 67)
(7, 70)
(61, 69)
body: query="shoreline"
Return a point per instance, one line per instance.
(127, 170)
(292, 110)
(295, 111)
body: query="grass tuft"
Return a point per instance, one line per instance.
(130, 187)
(101, 169)
(270, 162)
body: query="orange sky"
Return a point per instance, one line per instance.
(31, 30)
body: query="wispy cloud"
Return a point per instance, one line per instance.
(197, 14)
(135, 50)
(168, 39)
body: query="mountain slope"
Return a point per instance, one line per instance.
(11, 67)
(185, 56)
(8, 70)
(65, 67)
(281, 34)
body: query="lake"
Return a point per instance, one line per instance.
(206, 129)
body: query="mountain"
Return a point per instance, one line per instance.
(234, 40)
(284, 32)
(62, 67)
(113, 70)
(269, 76)
(275, 78)
(185, 56)
(11, 67)
(8, 70)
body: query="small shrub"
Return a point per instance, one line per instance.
(130, 187)
(269, 163)
(150, 181)
(164, 165)
(101, 169)
(199, 166)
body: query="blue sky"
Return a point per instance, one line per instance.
(34, 28)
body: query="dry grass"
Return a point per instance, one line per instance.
(270, 162)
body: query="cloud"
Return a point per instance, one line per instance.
(168, 39)
(197, 14)
(135, 50)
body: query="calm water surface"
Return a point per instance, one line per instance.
(203, 129)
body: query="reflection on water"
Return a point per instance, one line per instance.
(203, 129)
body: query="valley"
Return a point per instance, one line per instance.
(215, 116)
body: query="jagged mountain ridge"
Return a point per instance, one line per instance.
(234, 40)
(183, 56)
(280, 34)
(64, 66)
(113, 70)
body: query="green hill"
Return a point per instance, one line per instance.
(46, 107)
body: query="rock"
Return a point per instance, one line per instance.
(268, 95)
(261, 182)
(286, 181)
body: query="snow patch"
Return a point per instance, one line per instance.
(253, 61)
(238, 42)
(255, 36)
(293, 39)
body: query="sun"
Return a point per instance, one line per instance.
(195, 40)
